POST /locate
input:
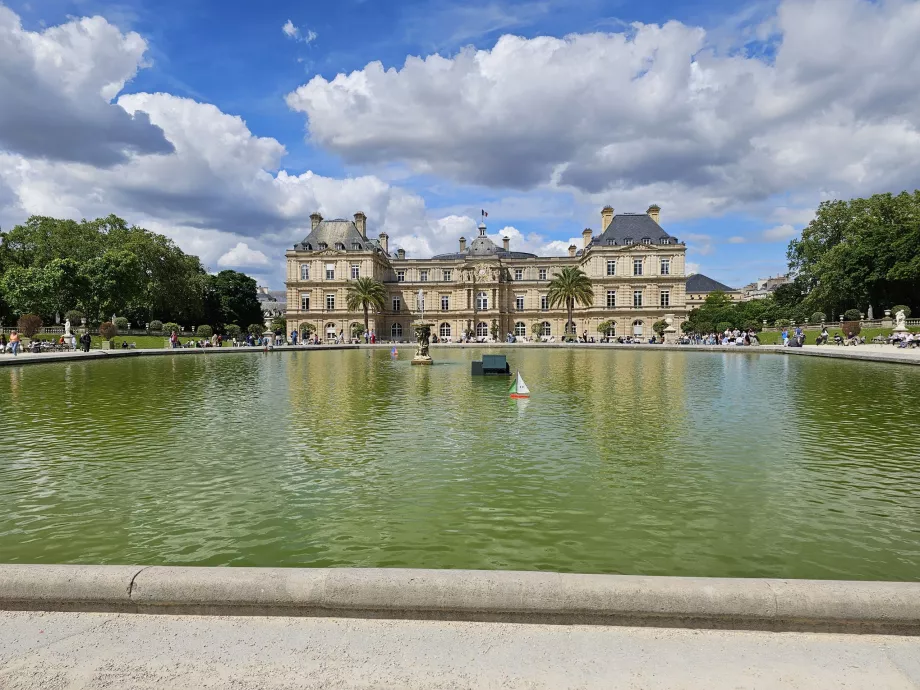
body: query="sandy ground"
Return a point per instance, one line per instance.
(97, 650)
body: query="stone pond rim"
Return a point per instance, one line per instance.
(512, 596)
(830, 353)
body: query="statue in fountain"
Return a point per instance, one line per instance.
(423, 338)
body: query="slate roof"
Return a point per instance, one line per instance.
(635, 227)
(336, 231)
(482, 246)
(700, 283)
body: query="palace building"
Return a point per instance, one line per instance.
(637, 270)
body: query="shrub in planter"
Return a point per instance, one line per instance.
(848, 327)
(257, 329)
(819, 317)
(233, 331)
(170, 327)
(852, 315)
(108, 330)
(29, 324)
(156, 325)
(205, 331)
(121, 323)
(75, 316)
(659, 326)
(901, 307)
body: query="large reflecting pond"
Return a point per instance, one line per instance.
(662, 463)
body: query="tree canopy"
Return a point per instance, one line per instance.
(860, 252)
(102, 267)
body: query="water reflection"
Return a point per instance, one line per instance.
(629, 461)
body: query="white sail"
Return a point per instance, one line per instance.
(522, 388)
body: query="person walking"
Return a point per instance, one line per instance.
(85, 341)
(14, 342)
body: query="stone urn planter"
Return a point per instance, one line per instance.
(107, 345)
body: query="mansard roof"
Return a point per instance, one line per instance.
(635, 227)
(700, 283)
(335, 231)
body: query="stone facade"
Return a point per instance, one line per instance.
(637, 269)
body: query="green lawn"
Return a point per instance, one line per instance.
(811, 335)
(141, 342)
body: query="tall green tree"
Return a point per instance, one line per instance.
(860, 252)
(114, 282)
(365, 293)
(567, 287)
(231, 297)
(47, 289)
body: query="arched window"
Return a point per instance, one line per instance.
(444, 330)
(330, 330)
(520, 329)
(611, 331)
(546, 329)
(396, 330)
(482, 329)
(305, 271)
(570, 328)
(637, 328)
(482, 301)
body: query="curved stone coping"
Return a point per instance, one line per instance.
(533, 597)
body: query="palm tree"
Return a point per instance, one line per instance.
(364, 293)
(567, 287)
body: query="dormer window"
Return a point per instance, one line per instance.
(628, 240)
(611, 242)
(340, 246)
(356, 246)
(664, 240)
(322, 245)
(646, 240)
(308, 247)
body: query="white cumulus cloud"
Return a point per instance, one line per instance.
(241, 256)
(660, 112)
(56, 88)
(780, 233)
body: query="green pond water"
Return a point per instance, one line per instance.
(640, 462)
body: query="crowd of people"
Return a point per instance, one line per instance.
(728, 337)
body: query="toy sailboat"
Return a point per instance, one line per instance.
(519, 389)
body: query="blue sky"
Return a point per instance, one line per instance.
(508, 132)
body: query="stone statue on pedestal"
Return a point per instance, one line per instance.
(423, 337)
(900, 321)
(67, 332)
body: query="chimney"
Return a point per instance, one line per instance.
(586, 235)
(572, 250)
(400, 254)
(361, 223)
(606, 217)
(506, 241)
(385, 242)
(653, 212)
(462, 244)
(315, 219)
